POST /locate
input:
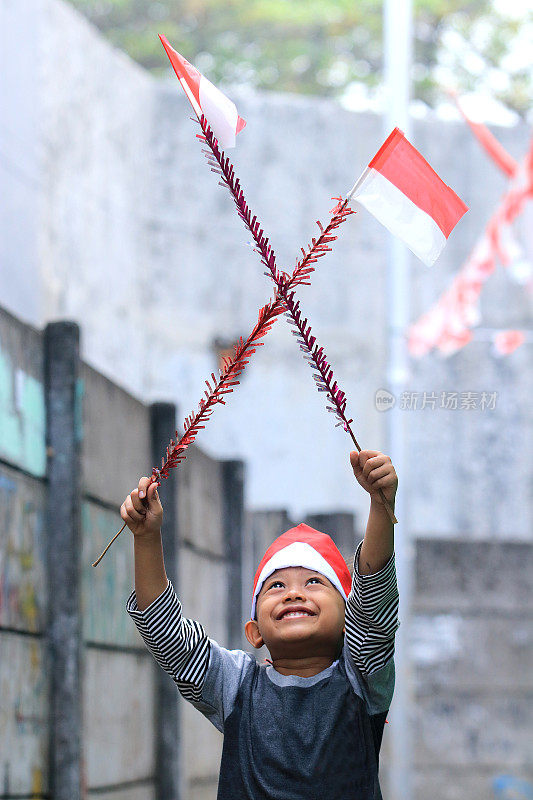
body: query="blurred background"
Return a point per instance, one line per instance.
(127, 275)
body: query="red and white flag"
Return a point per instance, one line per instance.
(407, 196)
(219, 111)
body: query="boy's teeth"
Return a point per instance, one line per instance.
(296, 614)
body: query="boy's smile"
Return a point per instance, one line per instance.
(292, 612)
(300, 616)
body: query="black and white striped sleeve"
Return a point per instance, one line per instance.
(179, 645)
(371, 618)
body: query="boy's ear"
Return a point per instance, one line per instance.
(251, 630)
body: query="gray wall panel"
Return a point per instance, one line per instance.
(23, 586)
(116, 429)
(119, 717)
(24, 721)
(107, 587)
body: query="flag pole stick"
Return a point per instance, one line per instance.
(397, 51)
(356, 185)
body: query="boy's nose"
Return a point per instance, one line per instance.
(294, 593)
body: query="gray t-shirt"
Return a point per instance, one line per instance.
(293, 738)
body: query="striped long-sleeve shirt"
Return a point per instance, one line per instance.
(181, 646)
(371, 617)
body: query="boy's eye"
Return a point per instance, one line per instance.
(280, 583)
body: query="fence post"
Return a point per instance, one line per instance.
(61, 364)
(168, 745)
(233, 522)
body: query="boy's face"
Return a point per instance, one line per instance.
(299, 613)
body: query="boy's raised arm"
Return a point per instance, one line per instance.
(179, 645)
(374, 471)
(143, 514)
(372, 606)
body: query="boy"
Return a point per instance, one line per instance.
(308, 726)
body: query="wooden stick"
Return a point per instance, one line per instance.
(100, 557)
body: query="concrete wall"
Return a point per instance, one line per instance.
(119, 690)
(119, 707)
(24, 591)
(471, 644)
(115, 220)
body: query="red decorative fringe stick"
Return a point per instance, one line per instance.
(232, 368)
(314, 354)
(213, 395)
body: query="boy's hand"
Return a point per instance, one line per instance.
(374, 471)
(142, 510)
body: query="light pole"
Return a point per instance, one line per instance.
(397, 51)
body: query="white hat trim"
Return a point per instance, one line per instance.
(297, 554)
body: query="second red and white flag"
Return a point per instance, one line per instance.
(406, 195)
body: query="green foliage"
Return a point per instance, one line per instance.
(324, 47)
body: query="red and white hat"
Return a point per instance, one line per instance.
(304, 547)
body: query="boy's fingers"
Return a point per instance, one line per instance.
(378, 472)
(375, 462)
(354, 461)
(366, 454)
(131, 512)
(138, 504)
(374, 467)
(364, 458)
(143, 486)
(386, 482)
(125, 516)
(154, 502)
(371, 464)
